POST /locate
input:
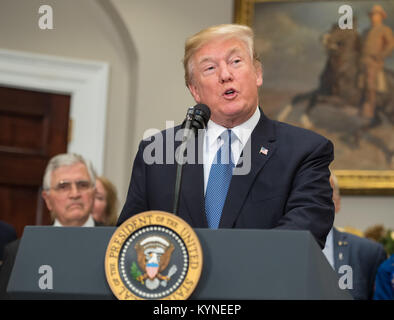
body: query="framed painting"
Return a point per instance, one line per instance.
(329, 67)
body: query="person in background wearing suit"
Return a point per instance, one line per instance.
(362, 255)
(384, 283)
(287, 186)
(68, 190)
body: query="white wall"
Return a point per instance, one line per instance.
(361, 212)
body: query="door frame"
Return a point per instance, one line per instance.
(87, 83)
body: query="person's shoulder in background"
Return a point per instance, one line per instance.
(7, 235)
(10, 253)
(384, 283)
(368, 249)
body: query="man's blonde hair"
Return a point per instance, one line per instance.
(224, 31)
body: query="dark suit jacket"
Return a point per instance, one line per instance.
(364, 256)
(7, 235)
(288, 188)
(10, 253)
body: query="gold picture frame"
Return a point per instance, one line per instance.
(351, 182)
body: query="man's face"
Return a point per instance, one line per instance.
(376, 18)
(100, 203)
(71, 196)
(226, 80)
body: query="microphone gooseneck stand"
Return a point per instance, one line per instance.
(196, 118)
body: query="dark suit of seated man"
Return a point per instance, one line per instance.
(281, 179)
(7, 235)
(69, 188)
(362, 255)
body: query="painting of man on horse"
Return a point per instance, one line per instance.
(352, 100)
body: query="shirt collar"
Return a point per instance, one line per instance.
(242, 131)
(88, 223)
(329, 240)
(213, 132)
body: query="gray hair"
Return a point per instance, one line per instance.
(66, 159)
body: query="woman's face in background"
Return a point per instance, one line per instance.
(100, 203)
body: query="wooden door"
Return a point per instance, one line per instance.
(33, 128)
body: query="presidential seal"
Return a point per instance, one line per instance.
(153, 255)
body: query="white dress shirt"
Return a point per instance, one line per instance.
(329, 248)
(88, 223)
(212, 141)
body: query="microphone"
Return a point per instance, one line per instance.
(196, 118)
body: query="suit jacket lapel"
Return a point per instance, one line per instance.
(341, 249)
(262, 136)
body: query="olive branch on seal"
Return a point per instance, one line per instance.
(136, 273)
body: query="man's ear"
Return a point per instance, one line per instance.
(45, 196)
(338, 205)
(259, 73)
(194, 91)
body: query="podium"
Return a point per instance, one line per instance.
(238, 264)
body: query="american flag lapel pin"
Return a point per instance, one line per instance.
(263, 151)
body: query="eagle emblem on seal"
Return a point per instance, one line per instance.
(153, 257)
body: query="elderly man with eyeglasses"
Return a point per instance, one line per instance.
(68, 190)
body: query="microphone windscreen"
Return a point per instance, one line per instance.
(204, 111)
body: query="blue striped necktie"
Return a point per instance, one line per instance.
(219, 181)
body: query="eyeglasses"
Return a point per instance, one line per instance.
(66, 186)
